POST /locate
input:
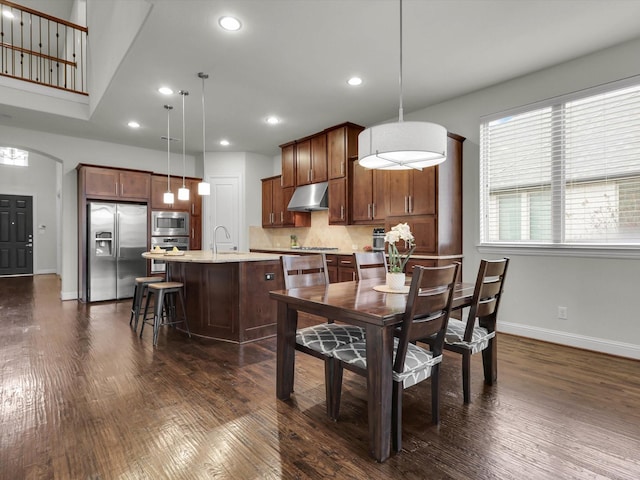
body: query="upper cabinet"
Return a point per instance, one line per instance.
(368, 194)
(288, 165)
(116, 184)
(342, 144)
(159, 187)
(311, 160)
(412, 192)
(275, 200)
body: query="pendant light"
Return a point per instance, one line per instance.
(203, 187)
(183, 192)
(402, 145)
(168, 196)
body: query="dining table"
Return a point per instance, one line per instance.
(363, 303)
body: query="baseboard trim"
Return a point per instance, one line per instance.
(45, 271)
(611, 347)
(68, 295)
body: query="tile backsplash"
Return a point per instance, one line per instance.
(319, 234)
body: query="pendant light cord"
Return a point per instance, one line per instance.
(401, 110)
(203, 76)
(168, 107)
(184, 93)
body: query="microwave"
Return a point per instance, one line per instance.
(169, 224)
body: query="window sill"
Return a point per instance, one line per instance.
(594, 251)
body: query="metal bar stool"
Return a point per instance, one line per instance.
(164, 302)
(139, 292)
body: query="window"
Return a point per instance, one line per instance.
(565, 171)
(14, 156)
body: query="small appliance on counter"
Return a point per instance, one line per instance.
(378, 240)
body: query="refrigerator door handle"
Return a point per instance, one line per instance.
(116, 221)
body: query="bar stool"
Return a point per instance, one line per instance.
(164, 308)
(139, 292)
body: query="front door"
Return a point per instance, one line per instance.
(16, 235)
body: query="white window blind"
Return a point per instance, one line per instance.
(564, 171)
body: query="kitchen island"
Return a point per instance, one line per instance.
(227, 294)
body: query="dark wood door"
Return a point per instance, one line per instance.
(16, 235)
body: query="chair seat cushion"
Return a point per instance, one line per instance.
(324, 338)
(479, 339)
(417, 366)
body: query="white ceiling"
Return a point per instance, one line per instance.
(292, 59)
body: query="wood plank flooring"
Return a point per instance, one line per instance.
(82, 397)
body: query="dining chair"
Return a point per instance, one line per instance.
(317, 340)
(426, 314)
(478, 332)
(370, 265)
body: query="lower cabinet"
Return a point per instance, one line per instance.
(341, 268)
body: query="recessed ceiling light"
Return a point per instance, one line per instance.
(8, 14)
(224, 143)
(354, 81)
(165, 91)
(133, 124)
(273, 120)
(230, 24)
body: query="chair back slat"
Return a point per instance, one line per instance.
(370, 265)
(428, 308)
(304, 270)
(486, 295)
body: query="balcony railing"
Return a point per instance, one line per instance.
(42, 49)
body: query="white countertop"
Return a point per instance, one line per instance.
(206, 256)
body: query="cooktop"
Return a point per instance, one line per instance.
(315, 248)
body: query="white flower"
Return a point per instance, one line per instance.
(399, 232)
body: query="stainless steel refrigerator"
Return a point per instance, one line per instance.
(117, 239)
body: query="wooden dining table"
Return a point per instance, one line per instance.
(356, 303)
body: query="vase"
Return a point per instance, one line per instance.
(395, 281)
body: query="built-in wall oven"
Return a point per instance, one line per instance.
(168, 243)
(169, 224)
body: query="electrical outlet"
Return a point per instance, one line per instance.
(269, 276)
(562, 313)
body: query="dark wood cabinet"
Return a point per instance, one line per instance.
(311, 160)
(159, 187)
(368, 195)
(109, 183)
(341, 268)
(430, 201)
(338, 207)
(342, 145)
(275, 200)
(288, 165)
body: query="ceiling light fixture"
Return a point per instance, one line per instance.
(231, 24)
(168, 196)
(272, 120)
(354, 81)
(224, 143)
(402, 145)
(203, 187)
(183, 192)
(133, 124)
(165, 91)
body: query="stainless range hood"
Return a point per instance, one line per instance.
(308, 198)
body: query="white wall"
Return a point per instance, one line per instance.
(70, 151)
(602, 294)
(38, 180)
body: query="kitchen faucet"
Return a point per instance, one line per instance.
(215, 241)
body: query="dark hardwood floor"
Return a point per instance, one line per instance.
(82, 397)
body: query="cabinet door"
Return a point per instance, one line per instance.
(278, 208)
(288, 217)
(398, 194)
(158, 187)
(338, 201)
(288, 165)
(196, 199)
(319, 158)
(134, 185)
(267, 203)
(182, 205)
(379, 181)
(423, 228)
(422, 197)
(336, 153)
(303, 162)
(195, 240)
(101, 182)
(362, 193)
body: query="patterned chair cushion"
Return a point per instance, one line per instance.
(324, 338)
(417, 366)
(479, 340)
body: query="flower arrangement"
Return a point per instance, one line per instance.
(400, 232)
